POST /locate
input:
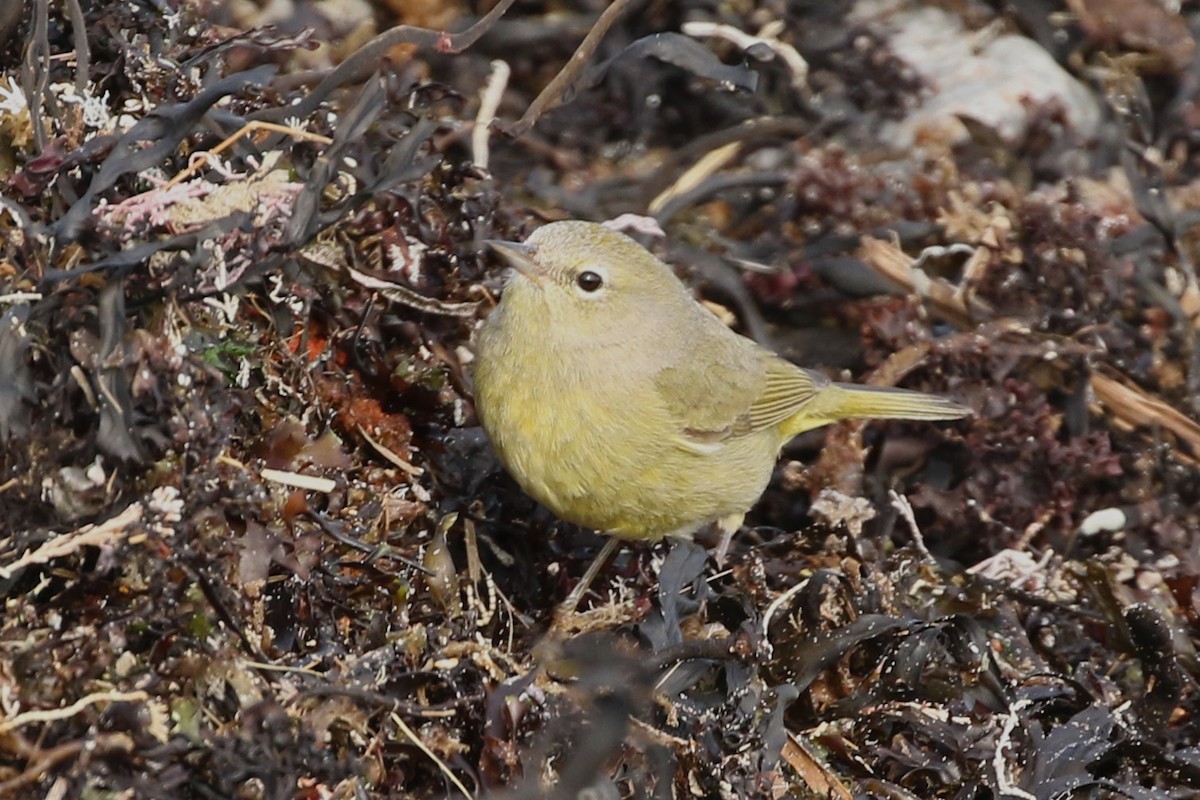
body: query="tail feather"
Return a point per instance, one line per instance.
(852, 401)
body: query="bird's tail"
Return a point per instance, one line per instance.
(839, 401)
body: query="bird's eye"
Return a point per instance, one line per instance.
(589, 281)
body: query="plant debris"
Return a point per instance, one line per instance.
(254, 544)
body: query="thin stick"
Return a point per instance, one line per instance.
(364, 61)
(52, 714)
(203, 157)
(489, 101)
(554, 91)
(424, 748)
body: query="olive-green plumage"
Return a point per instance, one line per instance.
(620, 403)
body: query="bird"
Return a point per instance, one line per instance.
(622, 404)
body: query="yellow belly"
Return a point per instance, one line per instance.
(588, 453)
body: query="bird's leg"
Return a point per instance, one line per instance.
(728, 526)
(567, 607)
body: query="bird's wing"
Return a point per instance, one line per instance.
(734, 388)
(788, 389)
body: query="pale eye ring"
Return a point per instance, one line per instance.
(589, 281)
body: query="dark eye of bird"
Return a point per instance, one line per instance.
(589, 281)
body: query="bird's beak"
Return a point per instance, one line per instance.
(519, 257)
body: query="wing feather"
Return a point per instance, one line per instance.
(787, 389)
(736, 389)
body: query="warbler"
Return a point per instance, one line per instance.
(621, 404)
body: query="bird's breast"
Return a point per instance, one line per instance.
(558, 424)
(585, 433)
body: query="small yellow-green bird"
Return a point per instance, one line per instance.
(620, 403)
